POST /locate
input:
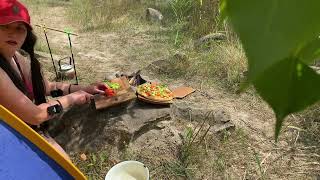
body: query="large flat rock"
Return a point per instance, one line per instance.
(136, 124)
(82, 128)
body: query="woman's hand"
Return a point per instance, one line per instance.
(96, 88)
(80, 97)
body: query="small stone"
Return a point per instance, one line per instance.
(222, 116)
(221, 127)
(83, 157)
(153, 15)
(210, 37)
(114, 162)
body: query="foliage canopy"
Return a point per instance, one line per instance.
(280, 39)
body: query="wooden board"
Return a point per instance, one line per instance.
(182, 92)
(101, 101)
(124, 94)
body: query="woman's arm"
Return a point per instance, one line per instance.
(50, 86)
(97, 88)
(14, 100)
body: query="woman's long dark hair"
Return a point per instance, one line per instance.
(36, 74)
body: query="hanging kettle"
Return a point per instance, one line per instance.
(66, 71)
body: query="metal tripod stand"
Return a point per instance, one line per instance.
(71, 59)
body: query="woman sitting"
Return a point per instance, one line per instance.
(23, 89)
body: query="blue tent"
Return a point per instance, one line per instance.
(26, 155)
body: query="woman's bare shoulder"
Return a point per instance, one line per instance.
(6, 88)
(4, 78)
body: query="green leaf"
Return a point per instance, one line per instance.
(102, 157)
(279, 39)
(288, 86)
(310, 52)
(94, 159)
(189, 134)
(272, 30)
(90, 165)
(222, 10)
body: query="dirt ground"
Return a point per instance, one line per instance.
(249, 152)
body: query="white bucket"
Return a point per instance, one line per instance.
(128, 170)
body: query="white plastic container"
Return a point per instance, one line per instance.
(128, 170)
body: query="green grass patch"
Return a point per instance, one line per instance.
(95, 166)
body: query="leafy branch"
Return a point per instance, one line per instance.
(280, 39)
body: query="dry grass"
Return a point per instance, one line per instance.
(204, 18)
(307, 129)
(310, 123)
(58, 47)
(95, 15)
(211, 156)
(37, 4)
(224, 62)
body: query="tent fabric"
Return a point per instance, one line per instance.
(21, 159)
(24, 154)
